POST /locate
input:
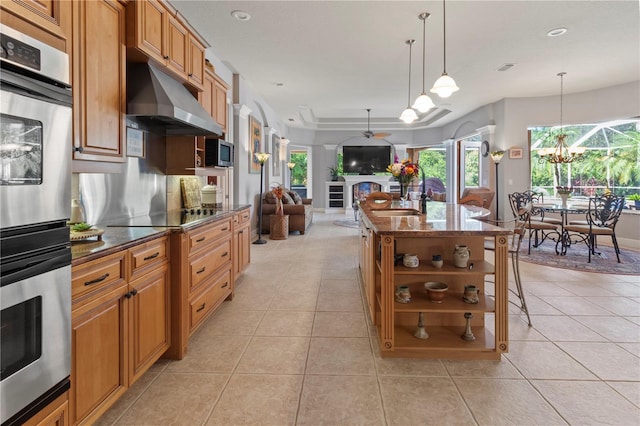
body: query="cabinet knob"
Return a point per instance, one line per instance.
(190, 74)
(134, 292)
(78, 149)
(166, 56)
(128, 295)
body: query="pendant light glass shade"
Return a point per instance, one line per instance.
(409, 115)
(445, 85)
(423, 103)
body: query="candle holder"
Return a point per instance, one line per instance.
(421, 333)
(468, 334)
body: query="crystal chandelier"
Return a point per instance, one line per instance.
(561, 153)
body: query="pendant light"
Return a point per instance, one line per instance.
(561, 153)
(423, 102)
(409, 115)
(445, 85)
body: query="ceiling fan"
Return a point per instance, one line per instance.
(369, 134)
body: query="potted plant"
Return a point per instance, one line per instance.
(334, 173)
(636, 200)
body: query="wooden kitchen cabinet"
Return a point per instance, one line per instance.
(157, 31)
(241, 241)
(99, 354)
(201, 271)
(46, 20)
(99, 83)
(214, 98)
(54, 414)
(150, 320)
(120, 327)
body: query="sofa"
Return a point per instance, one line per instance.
(300, 211)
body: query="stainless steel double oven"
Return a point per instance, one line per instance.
(35, 251)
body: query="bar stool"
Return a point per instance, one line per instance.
(519, 230)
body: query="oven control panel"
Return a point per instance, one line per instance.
(20, 53)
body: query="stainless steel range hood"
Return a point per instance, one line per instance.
(162, 102)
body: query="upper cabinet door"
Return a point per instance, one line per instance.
(99, 76)
(46, 20)
(196, 62)
(177, 46)
(150, 25)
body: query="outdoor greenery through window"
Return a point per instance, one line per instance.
(611, 160)
(299, 172)
(434, 163)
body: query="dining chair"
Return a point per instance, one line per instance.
(602, 217)
(519, 230)
(536, 223)
(473, 200)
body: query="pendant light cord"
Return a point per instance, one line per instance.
(561, 95)
(424, 42)
(444, 36)
(410, 43)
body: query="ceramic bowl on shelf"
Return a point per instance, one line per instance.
(436, 290)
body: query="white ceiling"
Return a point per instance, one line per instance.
(334, 59)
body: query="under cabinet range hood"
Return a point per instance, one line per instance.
(162, 102)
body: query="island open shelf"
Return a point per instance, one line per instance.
(384, 238)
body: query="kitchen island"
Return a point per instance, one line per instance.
(386, 234)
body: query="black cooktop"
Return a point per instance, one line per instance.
(170, 219)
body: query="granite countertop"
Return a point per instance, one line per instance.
(441, 219)
(122, 237)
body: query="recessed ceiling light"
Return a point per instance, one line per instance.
(557, 32)
(241, 15)
(506, 67)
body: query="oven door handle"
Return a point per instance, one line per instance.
(22, 269)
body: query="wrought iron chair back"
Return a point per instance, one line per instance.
(537, 224)
(602, 217)
(605, 210)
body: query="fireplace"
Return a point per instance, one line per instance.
(362, 189)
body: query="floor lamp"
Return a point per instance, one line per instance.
(262, 158)
(291, 166)
(496, 156)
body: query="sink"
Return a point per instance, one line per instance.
(395, 212)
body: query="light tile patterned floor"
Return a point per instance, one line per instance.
(294, 348)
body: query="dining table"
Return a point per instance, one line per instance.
(562, 238)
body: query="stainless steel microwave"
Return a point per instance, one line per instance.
(218, 153)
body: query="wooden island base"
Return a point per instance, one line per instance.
(400, 231)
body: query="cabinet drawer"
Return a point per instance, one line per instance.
(97, 274)
(208, 263)
(146, 256)
(203, 304)
(200, 238)
(244, 216)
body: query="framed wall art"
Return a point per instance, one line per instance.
(275, 154)
(516, 153)
(255, 142)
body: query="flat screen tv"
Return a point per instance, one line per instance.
(366, 160)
